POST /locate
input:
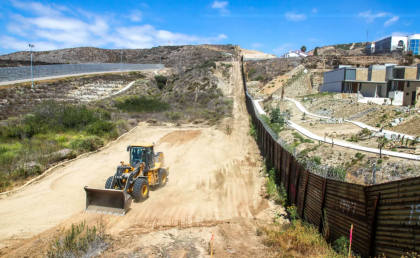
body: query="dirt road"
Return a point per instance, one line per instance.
(213, 177)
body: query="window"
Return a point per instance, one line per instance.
(351, 74)
(407, 94)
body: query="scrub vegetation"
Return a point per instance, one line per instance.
(51, 133)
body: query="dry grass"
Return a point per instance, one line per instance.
(296, 239)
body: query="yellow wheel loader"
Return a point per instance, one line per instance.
(131, 181)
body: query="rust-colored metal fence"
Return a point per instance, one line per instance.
(386, 217)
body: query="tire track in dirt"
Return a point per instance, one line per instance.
(213, 178)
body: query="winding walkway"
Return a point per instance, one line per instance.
(313, 136)
(359, 124)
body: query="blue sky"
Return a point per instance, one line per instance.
(269, 26)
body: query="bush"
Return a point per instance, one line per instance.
(209, 63)
(174, 115)
(161, 81)
(315, 159)
(141, 104)
(359, 156)
(100, 127)
(79, 241)
(277, 193)
(259, 78)
(89, 143)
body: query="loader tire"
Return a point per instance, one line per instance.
(108, 182)
(140, 190)
(163, 177)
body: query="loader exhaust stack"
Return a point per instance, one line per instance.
(107, 201)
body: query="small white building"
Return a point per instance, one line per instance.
(296, 53)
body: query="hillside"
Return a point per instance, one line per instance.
(349, 49)
(171, 56)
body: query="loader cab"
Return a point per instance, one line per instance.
(141, 153)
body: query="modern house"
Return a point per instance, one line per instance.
(296, 53)
(413, 44)
(405, 79)
(394, 43)
(387, 45)
(376, 83)
(370, 82)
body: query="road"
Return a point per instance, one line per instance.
(64, 76)
(213, 177)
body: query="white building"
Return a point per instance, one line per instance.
(413, 42)
(296, 53)
(387, 45)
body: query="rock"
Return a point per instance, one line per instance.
(198, 121)
(151, 121)
(396, 120)
(132, 121)
(394, 124)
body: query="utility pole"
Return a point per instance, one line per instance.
(367, 36)
(32, 71)
(121, 60)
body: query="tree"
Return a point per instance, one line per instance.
(276, 117)
(316, 51)
(382, 142)
(303, 49)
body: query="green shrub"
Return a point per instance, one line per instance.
(209, 63)
(315, 159)
(174, 115)
(301, 138)
(100, 127)
(141, 104)
(359, 156)
(259, 78)
(89, 143)
(161, 81)
(341, 245)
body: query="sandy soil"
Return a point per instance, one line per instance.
(213, 181)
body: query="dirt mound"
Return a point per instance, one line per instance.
(180, 137)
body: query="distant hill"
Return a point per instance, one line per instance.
(171, 56)
(350, 49)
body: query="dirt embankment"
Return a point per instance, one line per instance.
(214, 186)
(20, 99)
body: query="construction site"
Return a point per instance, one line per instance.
(223, 178)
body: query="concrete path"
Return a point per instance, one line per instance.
(359, 124)
(313, 136)
(67, 75)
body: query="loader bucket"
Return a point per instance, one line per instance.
(107, 201)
